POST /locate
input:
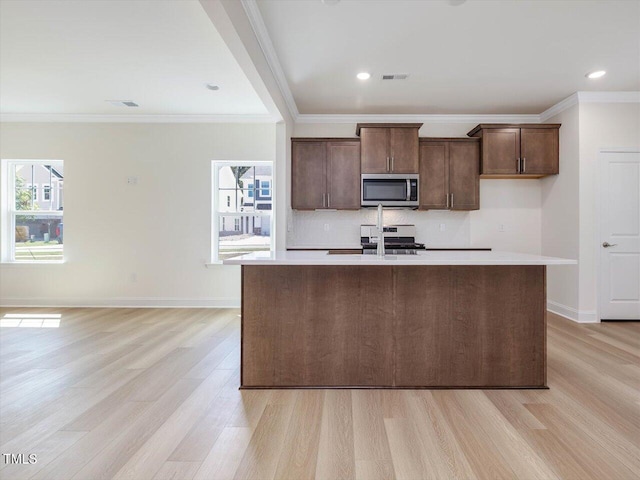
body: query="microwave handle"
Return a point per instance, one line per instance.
(408, 190)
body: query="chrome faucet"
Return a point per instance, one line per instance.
(380, 226)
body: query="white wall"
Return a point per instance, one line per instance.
(602, 125)
(560, 218)
(512, 203)
(132, 245)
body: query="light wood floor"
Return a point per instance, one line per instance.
(152, 394)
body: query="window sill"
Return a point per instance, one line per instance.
(6, 264)
(214, 263)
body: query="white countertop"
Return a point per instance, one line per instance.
(321, 257)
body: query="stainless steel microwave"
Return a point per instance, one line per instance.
(389, 189)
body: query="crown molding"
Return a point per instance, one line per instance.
(410, 118)
(561, 106)
(260, 29)
(589, 97)
(609, 97)
(90, 118)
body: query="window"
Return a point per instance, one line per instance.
(240, 225)
(264, 186)
(32, 228)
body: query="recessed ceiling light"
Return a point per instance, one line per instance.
(596, 74)
(213, 87)
(363, 76)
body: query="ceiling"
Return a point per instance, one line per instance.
(70, 57)
(480, 57)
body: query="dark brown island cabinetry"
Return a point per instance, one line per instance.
(450, 173)
(389, 147)
(518, 151)
(325, 173)
(404, 326)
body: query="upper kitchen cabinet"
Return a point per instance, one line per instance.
(389, 147)
(325, 174)
(449, 173)
(518, 151)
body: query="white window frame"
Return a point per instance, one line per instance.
(44, 192)
(8, 212)
(215, 198)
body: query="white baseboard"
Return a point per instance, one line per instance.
(140, 302)
(579, 316)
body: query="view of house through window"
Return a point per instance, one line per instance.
(35, 211)
(242, 208)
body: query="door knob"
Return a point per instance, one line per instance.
(607, 244)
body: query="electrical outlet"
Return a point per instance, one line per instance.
(502, 227)
(326, 227)
(443, 227)
(133, 277)
(132, 180)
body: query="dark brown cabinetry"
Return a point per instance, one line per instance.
(389, 148)
(325, 173)
(450, 173)
(518, 151)
(393, 326)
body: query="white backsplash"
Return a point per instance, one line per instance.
(342, 229)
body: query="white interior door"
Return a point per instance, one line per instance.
(620, 236)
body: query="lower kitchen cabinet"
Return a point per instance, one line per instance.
(325, 174)
(449, 173)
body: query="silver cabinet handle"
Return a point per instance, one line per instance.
(524, 165)
(388, 164)
(392, 164)
(447, 199)
(452, 200)
(607, 244)
(518, 165)
(323, 197)
(328, 199)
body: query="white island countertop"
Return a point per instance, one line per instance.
(454, 257)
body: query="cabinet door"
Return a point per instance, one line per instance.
(464, 175)
(539, 151)
(434, 175)
(500, 151)
(374, 144)
(403, 149)
(308, 175)
(343, 175)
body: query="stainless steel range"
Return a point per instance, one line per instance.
(398, 239)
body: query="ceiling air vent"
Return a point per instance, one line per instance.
(123, 103)
(395, 76)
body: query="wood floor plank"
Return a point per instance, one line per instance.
(263, 452)
(199, 441)
(299, 455)
(371, 446)
(177, 471)
(226, 455)
(336, 457)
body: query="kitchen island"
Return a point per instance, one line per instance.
(451, 319)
